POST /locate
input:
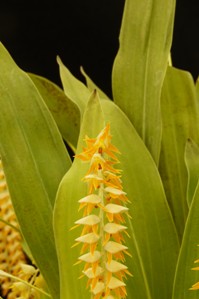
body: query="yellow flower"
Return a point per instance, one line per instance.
(13, 259)
(196, 285)
(104, 210)
(11, 252)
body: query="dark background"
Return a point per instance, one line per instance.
(85, 32)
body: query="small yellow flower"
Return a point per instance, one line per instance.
(13, 259)
(103, 228)
(11, 252)
(196, 285)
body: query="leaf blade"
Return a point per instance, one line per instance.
(34, 160)
(143, 185)
(180, 117)
(185, 277)
(192, 164)
(67, 200)
(64, 111)
(140, 66)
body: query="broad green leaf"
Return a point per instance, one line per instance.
(67, 200)
(64, 111)
(140, 65)
(74, 89)
(180, 117)
(152, 224)
(185, 277)
(66, 209)
(34, 160)
(92, 86)
(152, 252)
(192, 164)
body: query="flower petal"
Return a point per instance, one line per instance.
(113, 228)
(114, 247)
(88, 220)
(115, 283)
(92, 198)
(115, 209)
(98, 288)
(115, 267)
(114, 191)
(90, 258)
(89, 272)
(88, 238)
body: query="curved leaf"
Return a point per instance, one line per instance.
(92, 86)
(65, 112)
(192, 164)
(185, 277)
(152, 252)
(180, 118)
(34, 160)
(74, 89)
(151, 217)
(70, 191)
(140, 65)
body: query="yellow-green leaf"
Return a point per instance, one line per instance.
(192, 164)
(152, 230)
(64, 111)
(180, 118)
(152, 253)
(185, 277)
(71, 189)
(140, 65)
(92, 86)
(34, 160)
(74, 89)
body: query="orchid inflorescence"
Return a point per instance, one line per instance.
(18, 279)
(103, 220)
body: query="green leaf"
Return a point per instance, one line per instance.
(192, 164)
(66, 213)
(34, 160)
(66, 209)
(140, 65)
(180, 117)
(151, 217)
(185, 277)
(65, 112)
(74, 89)
(92, 86)
(152, 252)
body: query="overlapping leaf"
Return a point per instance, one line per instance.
(153, 227)
(180, 116)
(92, 86)
(66, 209)
(185, 277)
(140, 65)
(34, 160)
(64, 111)
(74, 89)
(152, 252)
(192, 164)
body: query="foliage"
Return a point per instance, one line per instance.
(154, 121)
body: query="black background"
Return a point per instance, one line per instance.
(85, 32)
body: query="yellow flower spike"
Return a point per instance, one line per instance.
(103, 214)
